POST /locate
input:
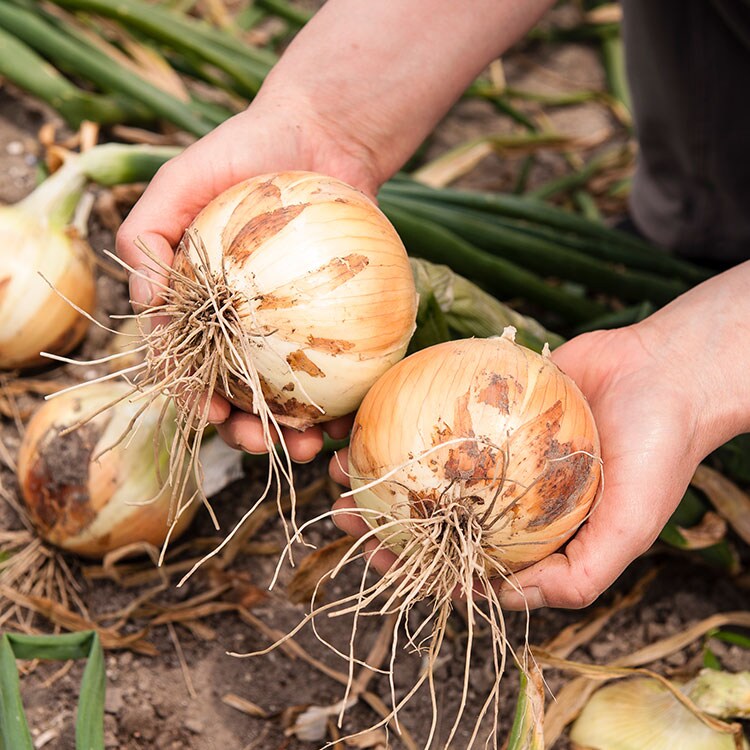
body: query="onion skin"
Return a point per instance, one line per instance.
(33, 318)
(507, 401)
(80, 504)
(326, 281)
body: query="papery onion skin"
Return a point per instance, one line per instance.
(33, 317)
(641, 713)
(84, 505)
(327, 284)
(528, 428)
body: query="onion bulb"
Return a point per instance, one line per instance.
(321, 296)
(290, 294)
(642, 713)
(469, 460)
(40, 251)
(489, 428)
(90, 491)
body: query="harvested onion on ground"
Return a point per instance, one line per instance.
(469, 460)
(290, 294)
(90, 491)
(39, 249)
(642, 713)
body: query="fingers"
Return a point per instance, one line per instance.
(244, 431)
(338, 467)
(219, 410)
(354, 525)
(337, 429)
(623, 525)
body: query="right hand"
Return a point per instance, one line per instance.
(269, 136)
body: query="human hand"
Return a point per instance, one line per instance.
(338, 102)
(645, 427)
(664, 394)
(269, 136)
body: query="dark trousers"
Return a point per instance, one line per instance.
(688, 64)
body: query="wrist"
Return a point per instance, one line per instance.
(321, 143)
(697, 341)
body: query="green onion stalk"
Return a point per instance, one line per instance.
(30, 72)
(73, 57)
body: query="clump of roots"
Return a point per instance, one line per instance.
(194, 344)
(447, 558)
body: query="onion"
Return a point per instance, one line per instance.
(90, 492)
(470, 460)
(642, 713)
(488, 427)
(39, 251)
(320, 291)
(290, 294)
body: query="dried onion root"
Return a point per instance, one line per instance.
(469, 460)
(290, 294)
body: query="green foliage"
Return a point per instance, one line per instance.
(14, 730)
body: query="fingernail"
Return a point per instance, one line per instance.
(141, 289)
(251, 453)
(531, 598)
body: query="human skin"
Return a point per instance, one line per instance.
(354, 95)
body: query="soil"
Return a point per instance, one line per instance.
(174, 700)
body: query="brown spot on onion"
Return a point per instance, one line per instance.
(290, 412)
(294, 413)
(567, 478)
(300, 362)
(471, 463)
(332, 346)
(422, 503)
(56, 486)
(462, 424)
(260, 229)
(267, 194)
(496, 393)
(323, 280)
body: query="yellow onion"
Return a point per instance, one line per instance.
(320, 296)
(39, 249)
(642, 713)
(90, 500)
(487, 424)
(469, 460)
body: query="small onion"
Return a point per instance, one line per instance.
(528, 469)
(90, 500)
(39, 250)
(319, 283)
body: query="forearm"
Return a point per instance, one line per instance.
(704, 333)
(379, 75)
